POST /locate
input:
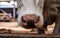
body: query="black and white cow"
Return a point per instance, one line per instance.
(31, 15)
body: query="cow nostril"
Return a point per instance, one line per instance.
(23, 19)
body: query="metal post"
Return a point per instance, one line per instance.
(14, 10)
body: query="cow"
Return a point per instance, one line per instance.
(31, 15)
(51, 15)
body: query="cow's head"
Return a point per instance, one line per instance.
(30, 15)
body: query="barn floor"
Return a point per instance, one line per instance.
(11, 29)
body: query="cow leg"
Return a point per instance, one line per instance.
(49, 21)
(57, 26)
(40, 30)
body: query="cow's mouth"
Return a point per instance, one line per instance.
(30, 23)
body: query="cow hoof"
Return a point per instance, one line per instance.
(40, 31)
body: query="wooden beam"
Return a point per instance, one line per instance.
(27, 36)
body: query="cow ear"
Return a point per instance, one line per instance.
(22, 19)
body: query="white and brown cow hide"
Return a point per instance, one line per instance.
(30, 7)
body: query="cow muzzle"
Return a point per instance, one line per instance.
(30, 23)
